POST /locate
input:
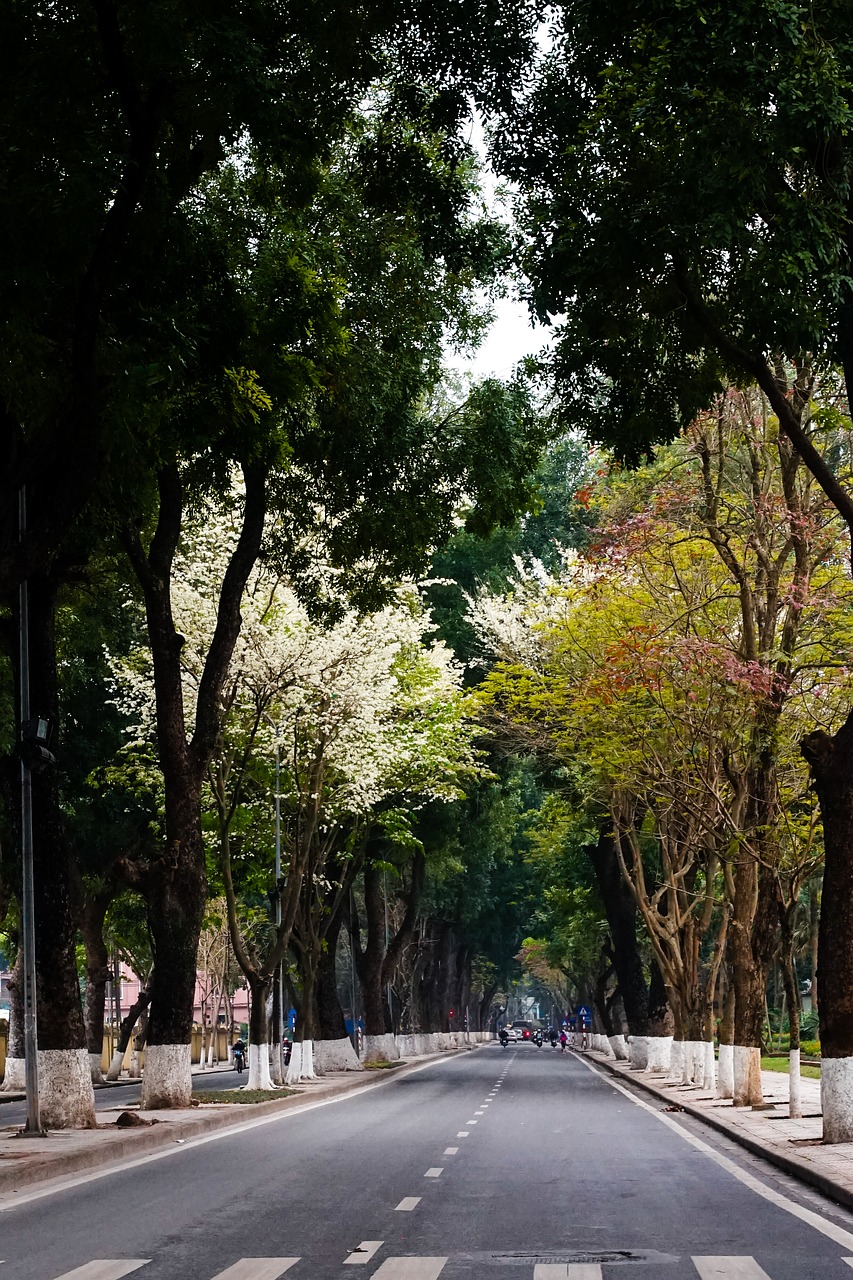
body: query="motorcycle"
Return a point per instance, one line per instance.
(537, 1039)
(239, 1060)
(504, 1039)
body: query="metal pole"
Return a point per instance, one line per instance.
(33, 1125)
(279, 977)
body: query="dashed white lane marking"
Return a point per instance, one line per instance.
(463, 1133)
(105, 1269)
(410, 1269)
(472, 1122)
(450, 1151)
(257, 1269)
(479, 1113)
(729, 1268)
(433, 1173)
(407, 1203)
(363, 1253)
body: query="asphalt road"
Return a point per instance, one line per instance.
(122, 1095)
(516, 1164)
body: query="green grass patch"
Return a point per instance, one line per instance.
(781, 1064)
(241, 1096)
(382, 1066)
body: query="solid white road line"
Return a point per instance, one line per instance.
(823, 1225)
(105, 1269)
(363, 1253)
(257, 1269)
(433, 1173)
(450, 1151)
(410, 1269)
(408, 1203)
(733, 1268)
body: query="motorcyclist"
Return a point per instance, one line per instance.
(552, 1036)
(504, 1036)
(563, 1040)
(238, 1049)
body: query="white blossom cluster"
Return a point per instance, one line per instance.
(369, 696)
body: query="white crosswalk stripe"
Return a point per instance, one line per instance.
(729, 1268)
(567, 1271)
(410, 1269)
(364, 1252)
(257, 1269)
(408, 1203)
(105, 1269)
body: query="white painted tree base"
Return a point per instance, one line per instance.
(676, 1059)
(335, 1055)
(660, 1053)
(692, 1049)
(66, 1098)
(259, 1067)
(114, 1069)
(15, 1079)
(167, 1081)
(638, 1052)
(726, 1072)
(710, 1071)
(747, 1076)
(95, 1068)
(620, 1048)
(301, 1062)
(381, 1049)
(134, 1070)
(836, 1099)
(795, 1104)
(275, 1065)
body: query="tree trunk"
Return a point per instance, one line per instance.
(330, 1016)
(814, 928)
(259, 1056)
(65, 1079)
(831, 761)
(620, 909)
(753, 931)
(369, 962)
(125, 1031)
(98, 974)
(14, 1079)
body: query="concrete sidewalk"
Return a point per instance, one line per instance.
(62, 1154)
(795, 1146)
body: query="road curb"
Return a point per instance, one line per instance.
(49, 1166)
(788, 1164)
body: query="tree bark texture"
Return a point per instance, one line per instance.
(60, 1014)
(831, 761)
(330, 1017)
(620, 909)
